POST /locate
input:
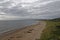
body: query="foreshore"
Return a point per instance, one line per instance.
(31, 32)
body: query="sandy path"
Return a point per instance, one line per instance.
(29, 33)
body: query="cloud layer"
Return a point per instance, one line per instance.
(29, 9)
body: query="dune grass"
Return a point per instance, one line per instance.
(52, 31)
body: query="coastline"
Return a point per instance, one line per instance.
(12, 31)
(22, 31)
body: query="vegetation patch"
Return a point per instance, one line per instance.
(52, 30)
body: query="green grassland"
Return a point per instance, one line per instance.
(52, 30)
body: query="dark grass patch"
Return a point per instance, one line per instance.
(30, 31)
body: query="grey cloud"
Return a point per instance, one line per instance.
(53, 6)
(53, 10)
(6, 4)
(1, 0)
(15, 11)
(48, 11)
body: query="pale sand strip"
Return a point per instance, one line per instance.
(32, 32)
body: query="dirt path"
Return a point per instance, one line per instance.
(29, 33)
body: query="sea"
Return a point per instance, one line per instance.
(7, 25)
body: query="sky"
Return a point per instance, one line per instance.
(29, 9)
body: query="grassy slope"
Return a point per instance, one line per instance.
(51, 32)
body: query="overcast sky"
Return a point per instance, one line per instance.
(29, 9)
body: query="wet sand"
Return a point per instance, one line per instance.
(32, 32)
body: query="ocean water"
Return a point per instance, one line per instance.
(8, 25)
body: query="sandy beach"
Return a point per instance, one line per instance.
(32, 32)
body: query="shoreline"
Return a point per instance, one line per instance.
(31, 32)
(14, 30)
(15, 24)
